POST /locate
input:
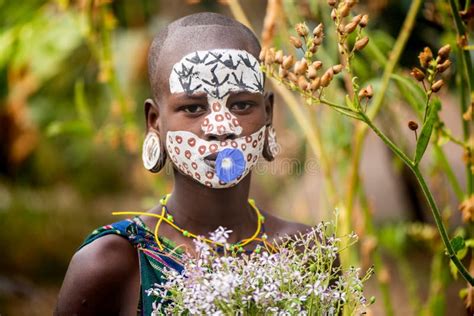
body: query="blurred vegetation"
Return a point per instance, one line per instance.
(72, 82)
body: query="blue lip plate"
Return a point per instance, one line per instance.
(236, 164)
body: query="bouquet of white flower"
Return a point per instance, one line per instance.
(299, 276)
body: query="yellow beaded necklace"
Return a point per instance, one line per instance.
(168, 218)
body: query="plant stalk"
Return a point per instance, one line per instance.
(429, 197)
(468, 73)
(361, 129)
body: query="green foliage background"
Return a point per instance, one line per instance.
(72, 82)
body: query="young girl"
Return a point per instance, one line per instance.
(210, 117)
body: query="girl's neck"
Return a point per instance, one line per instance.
(201, 210)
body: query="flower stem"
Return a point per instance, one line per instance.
(439, 223)
(468, 73)
(361, 129)
(429, 197)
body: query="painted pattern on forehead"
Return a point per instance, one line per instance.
(217, 73)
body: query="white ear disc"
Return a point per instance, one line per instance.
(151, 150)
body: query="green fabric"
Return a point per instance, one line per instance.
(152, 259)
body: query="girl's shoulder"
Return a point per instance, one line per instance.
(104, 269)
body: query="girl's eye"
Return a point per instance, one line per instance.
(240, 106)
(194, 109)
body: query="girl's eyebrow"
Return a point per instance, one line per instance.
(245, 93)
(194, 96)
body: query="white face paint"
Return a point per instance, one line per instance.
(217, 73)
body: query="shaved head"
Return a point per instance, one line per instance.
(201, 31)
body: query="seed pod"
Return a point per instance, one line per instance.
(351, 3)
(288, 62)
(442, 67)
(333, 14)
(292, 77)
(318, 30)
(364, 21)
(302, 83)
(270, 56)
(301, 29)
(357, 18)
(425, 57)
(279, 57)
(282, 72)
(317, 41)
(332, 3)
(317, 64)
(337, 69)
(413, 125)
(444, 51)
(370, 91)
(296, 42)
(315, 83)
(327, 77)
(437, 85)
(312, 73)
(345, 9)
(301, 66)
(417, 73)
(349, 28)
(367, 92)
(360, 44)
(313, 48)
(340, 29)
(263, 53)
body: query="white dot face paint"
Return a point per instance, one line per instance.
(217, 73)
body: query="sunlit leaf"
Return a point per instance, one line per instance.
(79, 128)
(453, 269)
(412, 92)
(458, 243)
(81, 103)
(53, 35)
(426, 131)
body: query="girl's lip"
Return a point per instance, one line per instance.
(212, 156)
(210, 160)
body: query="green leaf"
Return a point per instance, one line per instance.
(463, 293)
(81, 102)
(453, 269)
(349, 103)
(458, 243)
(470, 243)
(425, 134)
(412, 92)
(71, 127)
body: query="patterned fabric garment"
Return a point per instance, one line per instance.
(152, 259)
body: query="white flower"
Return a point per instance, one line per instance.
(338, 295)
(202, 248)
(289, 282)
(220, 235)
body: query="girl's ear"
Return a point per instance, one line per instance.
(268, 108)
(152, 113)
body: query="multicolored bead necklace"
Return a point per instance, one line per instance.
(168, 218)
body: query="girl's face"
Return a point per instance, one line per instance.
(213, 120)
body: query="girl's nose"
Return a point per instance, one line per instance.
(221, 124)
(220, 137)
